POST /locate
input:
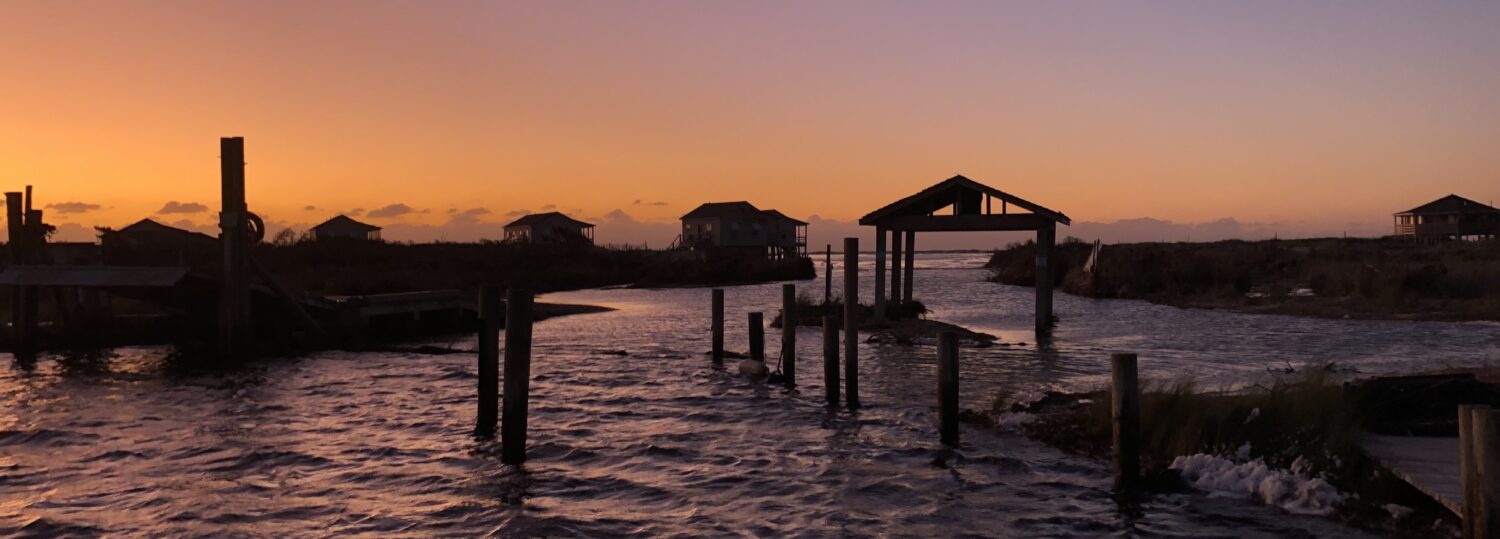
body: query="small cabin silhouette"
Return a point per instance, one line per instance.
(149, 243)
(1448, 218)
(342, 227)
(742, 226)
(550, 227)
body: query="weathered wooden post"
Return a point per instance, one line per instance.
(1045, 237)
(948, 387)
(789, 335)
(911, 264)
(490, 318)
(896, 255)
(718, 326)
(1479, 462)
(879, 274)
(517, 376)
(1126, 412)
(234, 300)
(16, 229)
(851, 325)
(757, 337)
(828, 276)
(831, 359)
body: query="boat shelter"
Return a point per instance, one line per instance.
(959, 204)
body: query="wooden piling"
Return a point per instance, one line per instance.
(947, 378)
(911, 265)
(1045, 238)
(1479, 458)
(1126, 413)
(831, 359)
(757, 337)
(718, 326)
(828, 276)
(879, 273)
(234, 300)
(518, 305)
(16, 229)
(490, 318)
(789, 335)
(851, 325)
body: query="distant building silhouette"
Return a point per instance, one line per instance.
(1450, 217)
(740, 225)
(550, 227)
(149, 243)
(343, 227)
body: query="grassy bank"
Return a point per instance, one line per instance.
(1307, 426)
(1334, 278)
(362, 267)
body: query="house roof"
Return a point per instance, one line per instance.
(778, 215)
(551, 217)
(945, 192)
(342, 220)
(1451, 204)
(150, 227)
(722, 209)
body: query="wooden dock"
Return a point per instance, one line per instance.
(1428, 463)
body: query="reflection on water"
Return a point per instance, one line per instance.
(655, 443)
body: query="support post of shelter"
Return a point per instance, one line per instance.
(490, 317)
(911, 262)
(1045, 236)
(234, 301)
(518, 305)
(879, 274)
(831, 360)
(851, 325)
(718, 326)
(789, 335)
(828, 276)
(896, 255)
(16, 228)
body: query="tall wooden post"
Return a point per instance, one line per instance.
(879, 273)
(490, 318)
(234, 301)
(911, 265)
(517, 376)
(757, 337)
(1045, 236)
(16, 229)
(831, 359)
(851, 324)
(828, 276)
(948, 387)
(896, 254)
(1126, 413)
(1479, 462)
(718, 326)
(789, 335)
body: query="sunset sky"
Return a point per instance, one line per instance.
(1293, 117)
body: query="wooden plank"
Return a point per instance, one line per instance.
(93, 276)
(1427, 463)
(962, 223)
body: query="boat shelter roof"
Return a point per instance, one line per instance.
(971, 210)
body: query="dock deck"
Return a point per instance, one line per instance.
(1428, 463)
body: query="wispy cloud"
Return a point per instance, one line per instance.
(394, 210)
(73, 207)
(174, 206)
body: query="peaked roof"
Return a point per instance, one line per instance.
(778, 215)
(938, 196)
(344, 220)
(556, 218)
(149, 226)
(1453, 204)
(721, 209)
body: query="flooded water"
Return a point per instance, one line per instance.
(655, 443)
